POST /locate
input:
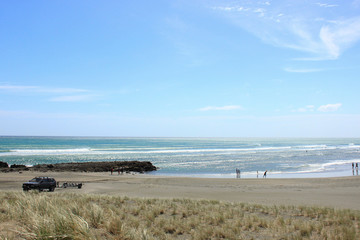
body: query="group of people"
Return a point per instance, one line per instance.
(119, 170)
(355, 167)
(238, 172)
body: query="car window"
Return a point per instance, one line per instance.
(35, 180)
(42, 180)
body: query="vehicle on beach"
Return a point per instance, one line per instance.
(40, 183)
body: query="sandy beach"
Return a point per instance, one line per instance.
(342, 193)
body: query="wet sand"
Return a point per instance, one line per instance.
(341, 192)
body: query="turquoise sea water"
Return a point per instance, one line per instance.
(201, 157)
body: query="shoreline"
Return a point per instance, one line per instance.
(271, 175)
(335, 192)
(341, 170)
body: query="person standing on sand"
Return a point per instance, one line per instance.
(353, 168)
(357, 169)
(237, 173)
(265, 174)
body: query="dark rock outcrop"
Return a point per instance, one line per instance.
(127, 166)
(123, 166)
(17, 166)
(3, 165)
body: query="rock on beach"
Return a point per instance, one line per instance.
(125, 166)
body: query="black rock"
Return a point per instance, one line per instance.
(17, 166)
(124, 166)
(4, 165)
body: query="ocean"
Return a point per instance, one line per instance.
(195, 157)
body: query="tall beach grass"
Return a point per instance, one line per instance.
(45, 215)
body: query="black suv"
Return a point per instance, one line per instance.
(40, 183)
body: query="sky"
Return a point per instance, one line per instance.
(180, 68)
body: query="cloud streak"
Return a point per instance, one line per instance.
(40, 89)
(224, 108)
(316, 29)
(329, 107)
(59, 94)
(323, 108)
(326, 5)
(73, 98)
(303, 70)
(340, 35)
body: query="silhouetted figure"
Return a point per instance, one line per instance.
(265, 174)
(237, 173)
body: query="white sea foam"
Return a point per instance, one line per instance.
(321, 146)
(167, 150)
(188, 150)
(322, 167)
(25, 152)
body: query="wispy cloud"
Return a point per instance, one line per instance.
(74, 98)
(224, 108)
(316, 29)
(323, 108)
(303, 70)
(14, 113)
(17, 88)
(40, 89)
(326, 5)
(329, 107)
(339, 36)
(55, 94)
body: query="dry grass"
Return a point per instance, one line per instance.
(75, 216)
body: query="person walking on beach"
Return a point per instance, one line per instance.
(265, 174)
(353, 168)
(357, 169)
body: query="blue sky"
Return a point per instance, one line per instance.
(180, 68)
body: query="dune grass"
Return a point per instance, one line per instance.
(45, 215)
